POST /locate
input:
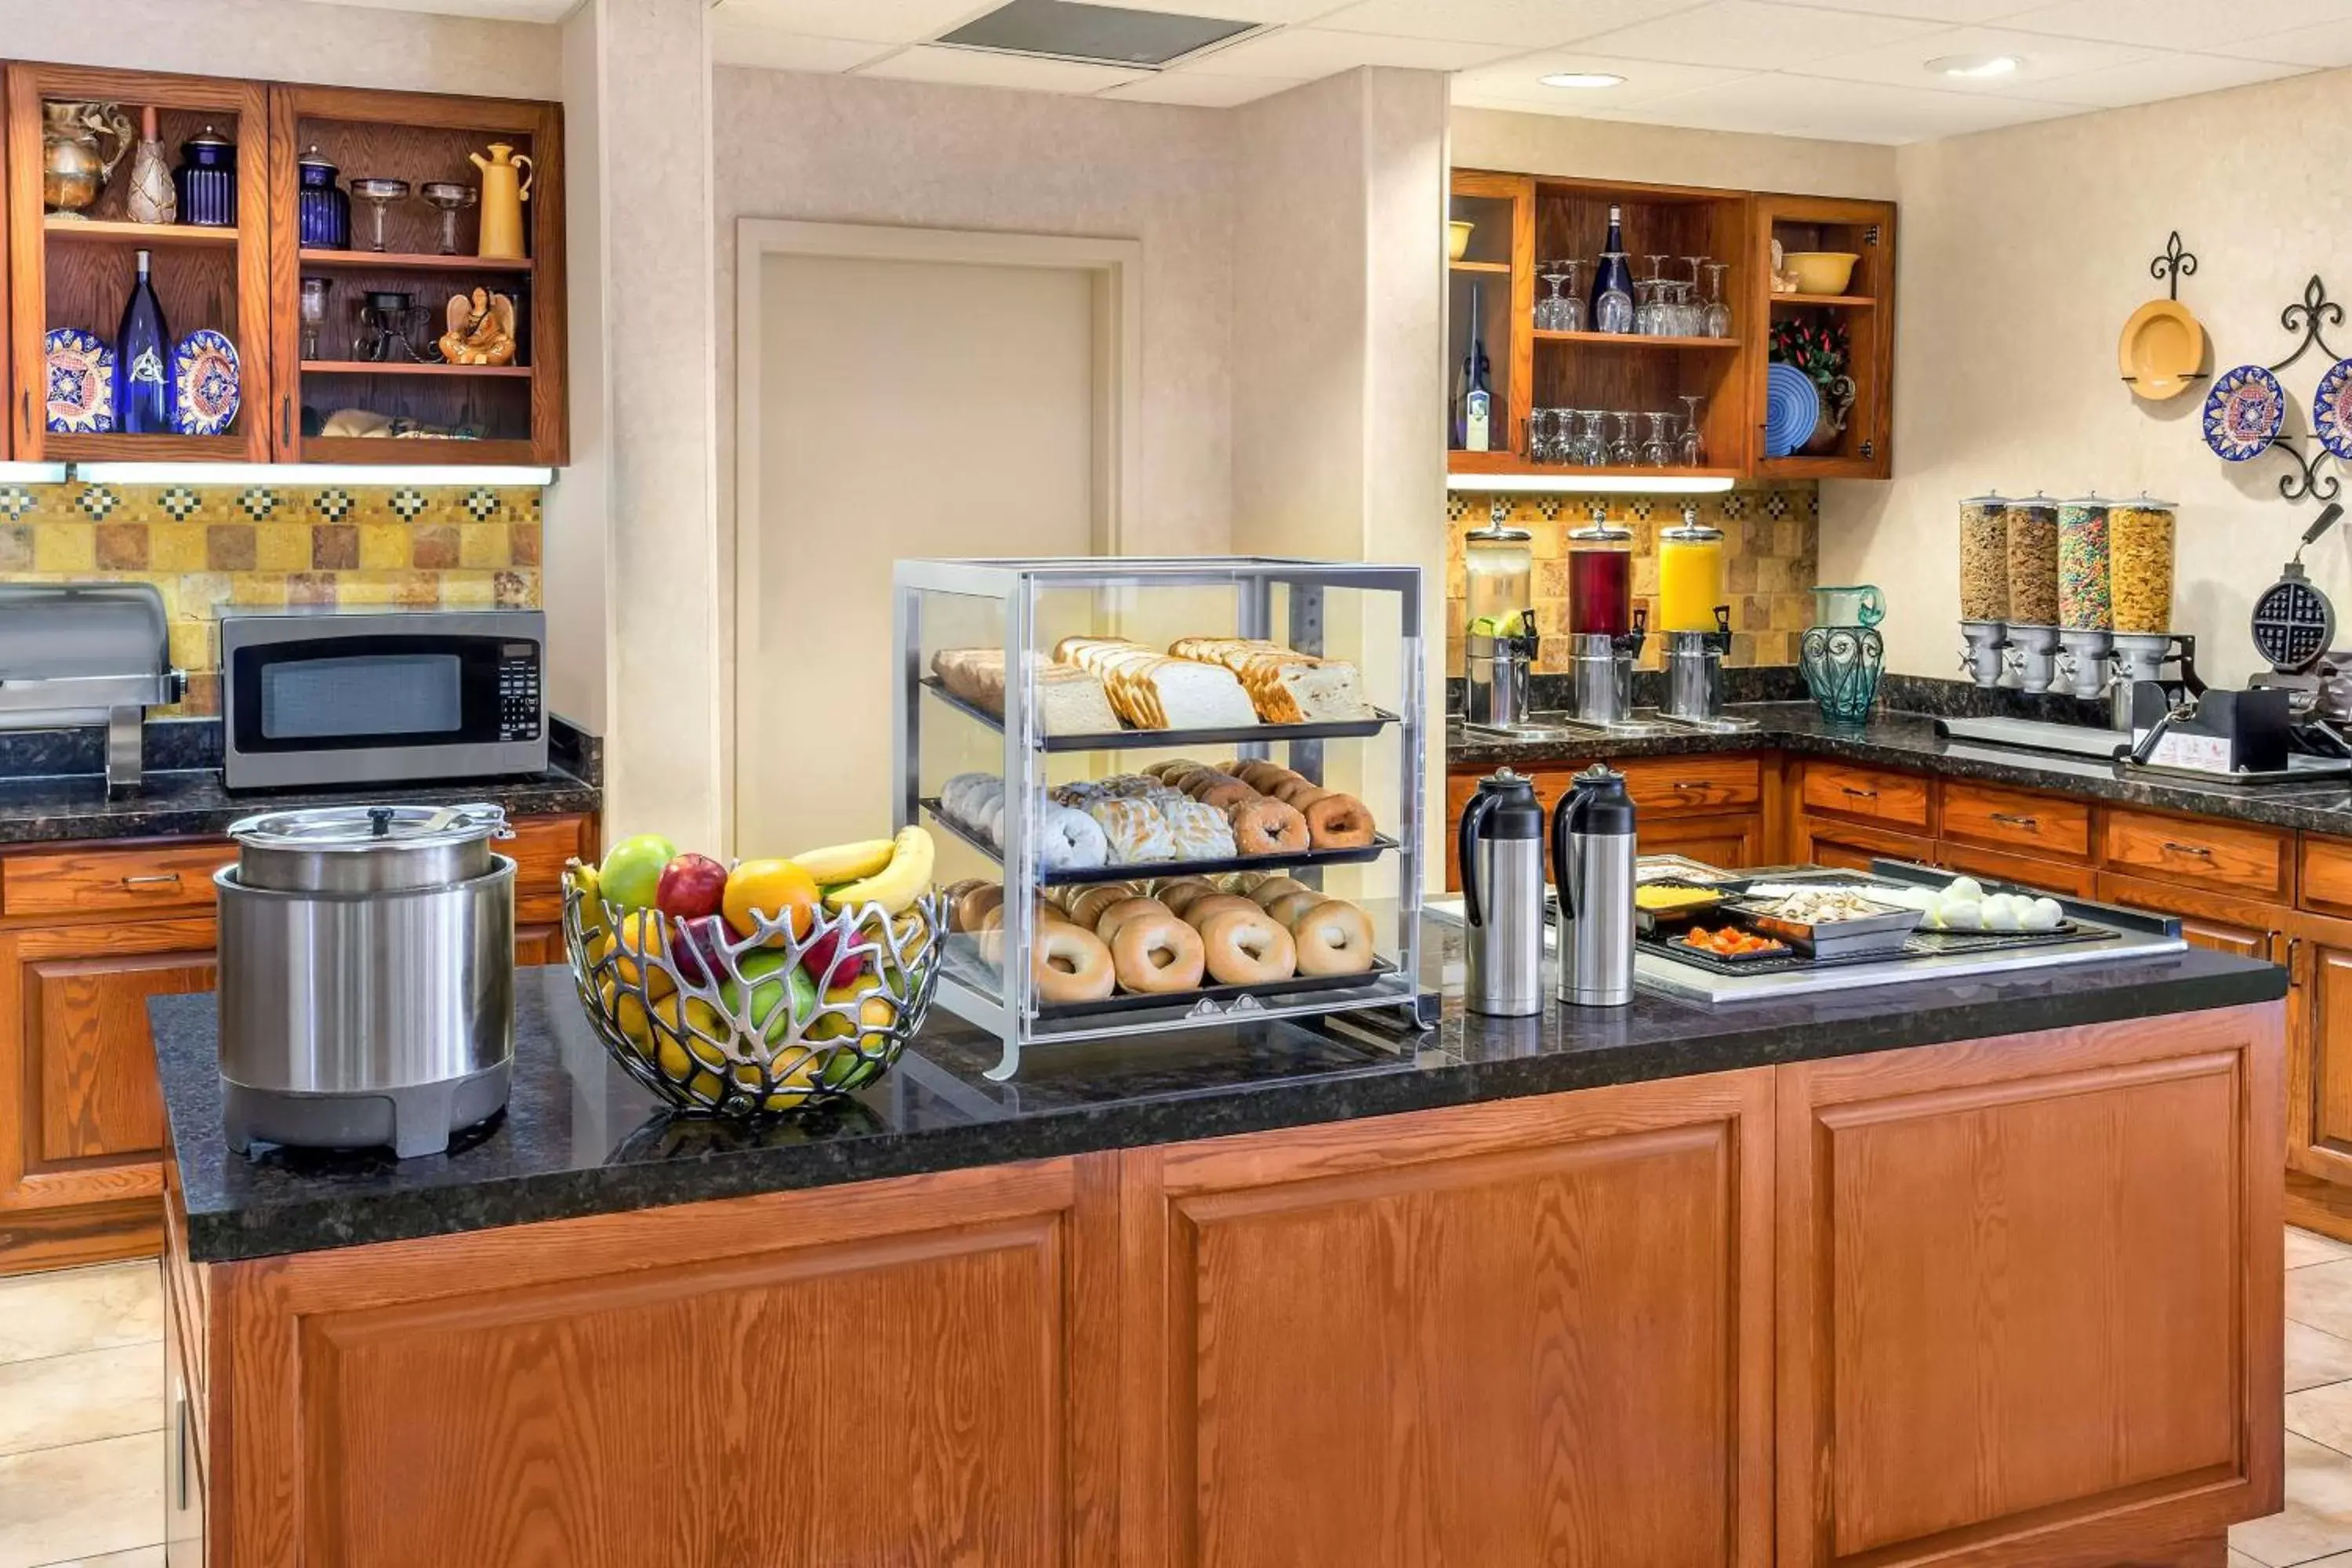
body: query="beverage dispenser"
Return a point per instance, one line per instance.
(1498, 621)
(1606, 632)
(1695, 613)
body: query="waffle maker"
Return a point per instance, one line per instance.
(2294, 628)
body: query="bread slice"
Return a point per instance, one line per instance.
(1285, 687)
(1070, 701)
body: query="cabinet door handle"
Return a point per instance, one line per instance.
(285, 420)
(1693, 783)
(157, 878)
(1859, 793)
(2197, 851)
(2293, 951)
(2030, 824)
(26, 405)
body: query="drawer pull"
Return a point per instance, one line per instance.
(2198, 851)
(1859, 793)
(158, 879)
(2030, 824)
(1692, 783)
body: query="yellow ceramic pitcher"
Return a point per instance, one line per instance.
(506, 185)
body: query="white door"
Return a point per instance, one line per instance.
(907, 408)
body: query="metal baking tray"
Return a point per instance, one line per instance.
(1878, 933)
(1680, 914)
(1222, 997)
(1132, 740)
(1137, 870)
(1681, 869)
(1681, 948)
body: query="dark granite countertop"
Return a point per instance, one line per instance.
(53, 786)
(1909, 741)
(579, 1137)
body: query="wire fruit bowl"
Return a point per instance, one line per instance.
(722, 1024)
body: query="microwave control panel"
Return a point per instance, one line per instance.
(519, 708)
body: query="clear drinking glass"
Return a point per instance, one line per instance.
(1658, 449)
(1591, 448)
(314, 314)
(1718, 311)
(1622, 451)
(1543, 435)
(1613, 310)
(1572, 302)
(1552, 308)
(1691, 448)
(1696, 296)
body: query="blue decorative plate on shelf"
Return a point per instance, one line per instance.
(204, 373)
(2331, 409)
(81, 383)
(2243, 414)
(1793, 406)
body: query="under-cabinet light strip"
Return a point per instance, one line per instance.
(415, 474)
(1588, 484)
(32, 473)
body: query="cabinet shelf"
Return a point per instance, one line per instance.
(57, 225)
(412, 261)
(1491, 267)
(369, 367)
(1634, 341)
(1836, 302)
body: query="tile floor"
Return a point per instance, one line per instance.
(81, 1418)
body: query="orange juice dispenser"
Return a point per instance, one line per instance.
(1695, 614)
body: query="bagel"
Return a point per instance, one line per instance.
(1198, 911)
(1286, 909)
(1179, 892)
(1107, 924)
(1155, 954)
(1334, 937)
(1069, 964)
(1269, 888)
(1269, 827)
(1338, 822)
(1088, 906)
(1246, 948)
(973, 903)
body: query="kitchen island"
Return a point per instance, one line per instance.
(1965, 1271)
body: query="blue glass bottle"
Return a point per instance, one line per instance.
(1612, 282)
(142, 363)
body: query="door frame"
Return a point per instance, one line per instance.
(1115, 268)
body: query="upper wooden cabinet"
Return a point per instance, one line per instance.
(247, 281)
(76, 272)
(1518, 220)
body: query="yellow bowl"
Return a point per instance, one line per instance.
(1458, 239)
(1822, 271)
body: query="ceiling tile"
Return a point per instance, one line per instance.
(865, 21)
(2327, 46)
(1934, 10)
(1201, 90)
(1284, 11)
(1781, 104)
(1305, 53)
(983, 67)
(1746, 33)
(2162, 77)
(1527, 23)
(1518, 82)
(736, 42)
(2044, 59)
(2174, 24)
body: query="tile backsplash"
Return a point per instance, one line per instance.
(206, 546)
(1771, 538)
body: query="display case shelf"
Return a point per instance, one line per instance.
(1220, 735)
(1635, 340)
(1499, 268)
(1079, 876)
(1835, 301)
(155, 236)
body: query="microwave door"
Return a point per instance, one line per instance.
(383, 709)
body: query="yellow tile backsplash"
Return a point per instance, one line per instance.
(1771, 538)
(206, 546)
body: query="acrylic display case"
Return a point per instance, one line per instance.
(1036, 741)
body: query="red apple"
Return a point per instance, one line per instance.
(691, 887)
(695, 950)
(830, 961)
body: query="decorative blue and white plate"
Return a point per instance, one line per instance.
(204, 373)
(81, 383)
(2331, 409)
(1793, 406)
(2243, 414)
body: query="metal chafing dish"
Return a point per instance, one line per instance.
(75, 654)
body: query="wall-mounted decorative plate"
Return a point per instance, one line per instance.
(81, 383)
(2243, 414)
(2160, 349)
(204, 373)
(2331, 409)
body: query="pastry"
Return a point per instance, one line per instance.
(1246, 948)
(1107, 925)
(1137, 834)
(1153, 954)
(1265, 891)
(1286, 909)
(1200, 832)
(1199, 911)
(1069, 839)
(1333, 938)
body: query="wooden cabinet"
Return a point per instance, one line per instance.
(2257, 862)
(2072, 876)
(76, 272)
(1985, 1375)
(87, 935)
(1529, 1331)
(245, 280)
(2026, 822)
(1854, 844)
(1711, 808)
(1899, 801)
(1731, 842)
(1862, 317)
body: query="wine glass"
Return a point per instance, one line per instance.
(1543, 427)
(1591, 448)
(378, 194)
(1571, 315)
(1623, 452)
(1613, 309)
(1718, 311)
(449, 198)
(314, 314)
(1697, 297)
(1658, 449)
(1552, 305)
(1692, 449)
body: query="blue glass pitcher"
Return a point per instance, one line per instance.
(1843, 654)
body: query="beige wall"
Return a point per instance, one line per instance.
(2022, 253)
(1661, 155)
(289, 40)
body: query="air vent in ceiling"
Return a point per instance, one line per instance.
(1102, 34)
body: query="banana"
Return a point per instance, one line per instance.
(898, 884)
(846, 862)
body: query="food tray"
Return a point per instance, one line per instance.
(1680, 868)
(1873, 935)
(1137, 870)
(1683, 914)
(1131, 740)
(1726, 962)
(1919, 944)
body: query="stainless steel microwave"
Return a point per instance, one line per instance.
(369, 697)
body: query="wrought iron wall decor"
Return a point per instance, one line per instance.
(2309, 316)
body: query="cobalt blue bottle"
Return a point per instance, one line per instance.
(142, 355)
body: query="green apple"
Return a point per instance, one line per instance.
(768, 980)
(632, 871)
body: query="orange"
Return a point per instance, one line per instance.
(779, 890)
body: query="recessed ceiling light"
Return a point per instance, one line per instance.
(1583, 79)
(1975, 66)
